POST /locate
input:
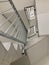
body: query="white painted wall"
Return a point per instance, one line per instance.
(37, 49)
(42, 7)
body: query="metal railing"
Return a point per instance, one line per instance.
(17, 26)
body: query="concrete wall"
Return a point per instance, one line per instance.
(38, 50)
(42, 7)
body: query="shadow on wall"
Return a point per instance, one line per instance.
(22, 61)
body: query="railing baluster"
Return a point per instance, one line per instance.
(16, 33)
(10, 26)
(10, 37)
(14, 29)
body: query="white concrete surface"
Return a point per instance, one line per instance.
(44, 61)
(42, 7)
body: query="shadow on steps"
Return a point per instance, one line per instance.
(22, 61)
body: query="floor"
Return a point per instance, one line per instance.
(44, 61)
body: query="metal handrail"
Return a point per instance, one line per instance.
(16, 29)
(13, 6)
(11, 37)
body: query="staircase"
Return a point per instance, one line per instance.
(12, 29)
(11, 24)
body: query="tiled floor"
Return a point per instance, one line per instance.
(44, 61)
